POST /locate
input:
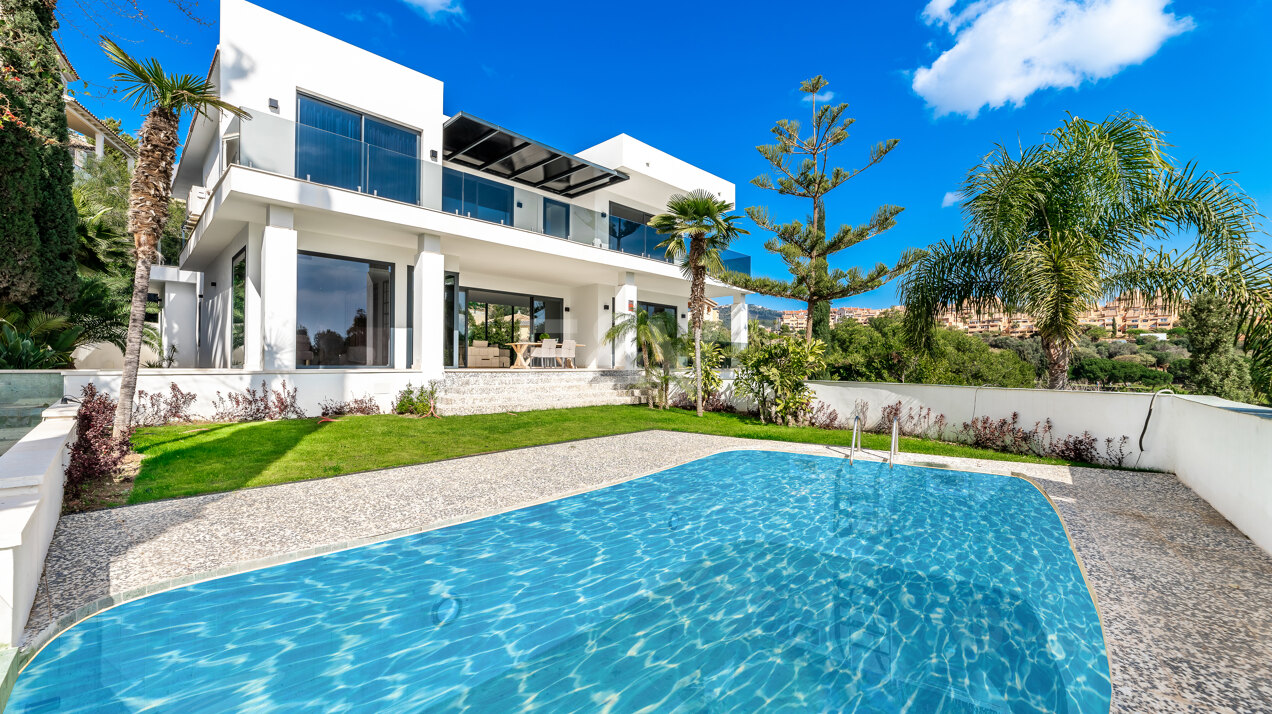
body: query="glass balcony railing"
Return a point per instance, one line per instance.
(281, 146)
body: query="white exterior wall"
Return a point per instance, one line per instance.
(266, 56)
(252, 68)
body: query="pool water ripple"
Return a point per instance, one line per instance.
(741, 582)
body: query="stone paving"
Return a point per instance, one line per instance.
(1186, 599)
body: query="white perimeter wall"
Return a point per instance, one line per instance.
(1220, 449)
(31, 481)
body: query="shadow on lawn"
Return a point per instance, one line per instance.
(199, 468)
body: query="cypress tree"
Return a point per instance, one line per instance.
(37, 213)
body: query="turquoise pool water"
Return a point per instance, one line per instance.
(743, 582)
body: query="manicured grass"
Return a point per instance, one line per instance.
(186, 459)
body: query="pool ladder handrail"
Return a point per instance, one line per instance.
(894, 448)
(856, 439)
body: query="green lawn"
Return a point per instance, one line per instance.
(188, 459)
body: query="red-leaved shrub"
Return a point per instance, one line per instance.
(257, 406)
(157, 410)
(95, 454)
(358, 405)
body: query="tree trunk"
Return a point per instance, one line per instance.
(148, 197)
(697, 304)
(132, 355)
(808, 321)
(1057, 352)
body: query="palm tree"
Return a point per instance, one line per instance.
(699, 228)
(167, 97)
(654, 337)
(36, 340)
(1079, 217)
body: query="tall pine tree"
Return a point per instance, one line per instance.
(37, 212)
(802, 170)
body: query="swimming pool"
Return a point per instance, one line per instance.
(745, 581)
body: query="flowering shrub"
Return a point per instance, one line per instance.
(358, 405)
(156, 409)
(252, 406)
(95, 454)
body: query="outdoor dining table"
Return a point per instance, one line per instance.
(519, 349)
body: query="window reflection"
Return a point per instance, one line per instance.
(238, 307)
(344, 311)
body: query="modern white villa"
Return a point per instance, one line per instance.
(351, 223)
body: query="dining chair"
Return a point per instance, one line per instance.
(565, 355)
(546, 352)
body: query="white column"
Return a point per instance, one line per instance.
(738, 321)
(253, 317)
(278, 289)
(625, 304)
(430, 274)
(99, 144)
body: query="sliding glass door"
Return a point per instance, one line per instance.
(495, 319)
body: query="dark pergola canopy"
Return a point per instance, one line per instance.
(478, 144)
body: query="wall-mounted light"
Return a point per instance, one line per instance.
(567, 309)
(683, 316)
(605, 307)
(273, 105)
(603, 215)
(213, 284)
(432, 154)
(519, 205)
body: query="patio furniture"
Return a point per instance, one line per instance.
(565, 355)
(546, 352)
(481, 354)
(519, 349)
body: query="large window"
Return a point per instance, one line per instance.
(476, 197)
(238, 307)
(340, 147)
(344, 312)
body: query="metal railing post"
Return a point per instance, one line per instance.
(892, 450)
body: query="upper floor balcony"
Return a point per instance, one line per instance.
(337, 148)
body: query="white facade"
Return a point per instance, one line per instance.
(307, 195)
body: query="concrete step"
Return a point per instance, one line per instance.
(20, 415)
(554, 391)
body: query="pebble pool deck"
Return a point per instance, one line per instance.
(1186, 599)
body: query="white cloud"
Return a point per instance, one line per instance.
(438, 10)
(1005, 50)
(820, 98)
(950, 198)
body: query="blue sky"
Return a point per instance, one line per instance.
(705, 82)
